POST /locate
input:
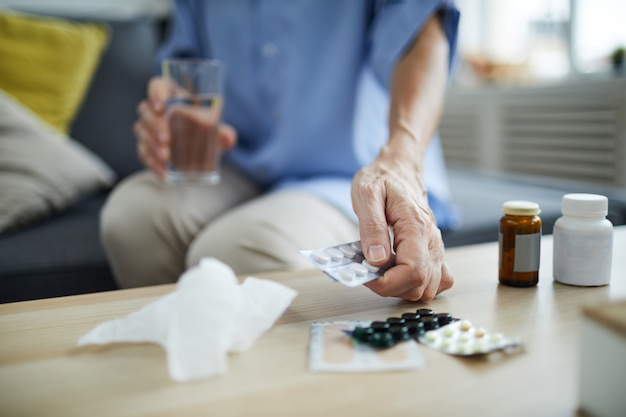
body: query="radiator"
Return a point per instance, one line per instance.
(575, 132)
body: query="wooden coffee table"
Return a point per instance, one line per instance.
(43, 373)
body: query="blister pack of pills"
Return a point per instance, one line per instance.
(346, 263)
(461, 338)
(440, 331)
(331, 349)
(409, 326)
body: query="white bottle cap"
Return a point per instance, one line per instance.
(585, 205)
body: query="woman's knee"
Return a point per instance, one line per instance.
(114, 218)
(138, 251)
(247, 245)
(265, 235)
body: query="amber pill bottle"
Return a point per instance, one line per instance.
(520, 244)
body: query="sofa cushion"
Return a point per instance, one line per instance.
(48, 63)
(40, 173)
(63, 254)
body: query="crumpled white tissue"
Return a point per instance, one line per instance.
(208, 315)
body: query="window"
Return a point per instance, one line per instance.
(533, 41)
(599, 29)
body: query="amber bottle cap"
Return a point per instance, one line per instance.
(521, 208)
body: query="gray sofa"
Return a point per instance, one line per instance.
(62, 255)
(479, 197)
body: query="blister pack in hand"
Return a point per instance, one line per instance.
(345, 263)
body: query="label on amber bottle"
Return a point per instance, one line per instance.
(527, 249)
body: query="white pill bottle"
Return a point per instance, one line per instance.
(583, 241)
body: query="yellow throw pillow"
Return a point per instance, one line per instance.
(48, 63)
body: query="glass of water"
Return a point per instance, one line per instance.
(194, 111)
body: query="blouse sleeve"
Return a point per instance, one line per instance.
(182, 40)
(395, 25)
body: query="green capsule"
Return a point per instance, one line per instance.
(430, 323)
(399, 331)
(362, 334)
(416, 327)
(381, 340)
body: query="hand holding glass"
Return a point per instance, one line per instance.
(194, 110)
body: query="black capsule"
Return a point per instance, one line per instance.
(444, 318)
(415, 328)
(362, 334)
(430, 323)
(381, 340)
(396, 320)
(379, 326)
(399, 331)
(409, 317)
(425, 312)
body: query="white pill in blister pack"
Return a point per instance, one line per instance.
(346, 263)
(348, 251)
(335, 254)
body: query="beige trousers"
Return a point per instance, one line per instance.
(153, 232)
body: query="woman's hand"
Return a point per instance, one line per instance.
(389, 192)
(153, 134)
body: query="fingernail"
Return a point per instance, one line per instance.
(376, 253)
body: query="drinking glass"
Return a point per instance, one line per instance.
(193, 113)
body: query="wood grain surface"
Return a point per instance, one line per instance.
(43, 373)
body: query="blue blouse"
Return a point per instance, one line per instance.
(307, 85)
